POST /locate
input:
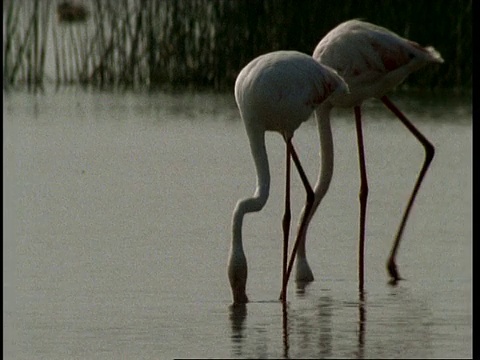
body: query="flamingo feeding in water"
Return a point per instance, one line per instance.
(279, 91)
(372, 60)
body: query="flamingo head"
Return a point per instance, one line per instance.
(237, 275)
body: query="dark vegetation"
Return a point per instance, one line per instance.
(204, 43)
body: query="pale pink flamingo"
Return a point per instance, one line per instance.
(279, 91)
(372, 60)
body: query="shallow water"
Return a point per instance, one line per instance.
(117, 215)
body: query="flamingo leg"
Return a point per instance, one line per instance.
(362, 197)
(286, 218)
(308, 208)
(429, 153)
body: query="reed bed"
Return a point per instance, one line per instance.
(204, 43)
(24, 46)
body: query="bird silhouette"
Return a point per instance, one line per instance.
(278, 91)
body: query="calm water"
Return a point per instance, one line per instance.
(117, 226)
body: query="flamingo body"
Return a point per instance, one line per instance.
(371, 59)
(277, 92)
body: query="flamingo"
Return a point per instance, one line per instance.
(278, 91)
(372, 60)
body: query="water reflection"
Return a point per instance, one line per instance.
(325, 325)
(323, 313)
(238, 314)
(304, 332)
(362, 323)
(407, 325)
(399, 324)
(285, 329)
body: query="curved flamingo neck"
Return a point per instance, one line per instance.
(322, 115)
(237, 265)
(259, 199)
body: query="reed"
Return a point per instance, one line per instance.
(204, 43)
(25, 43)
